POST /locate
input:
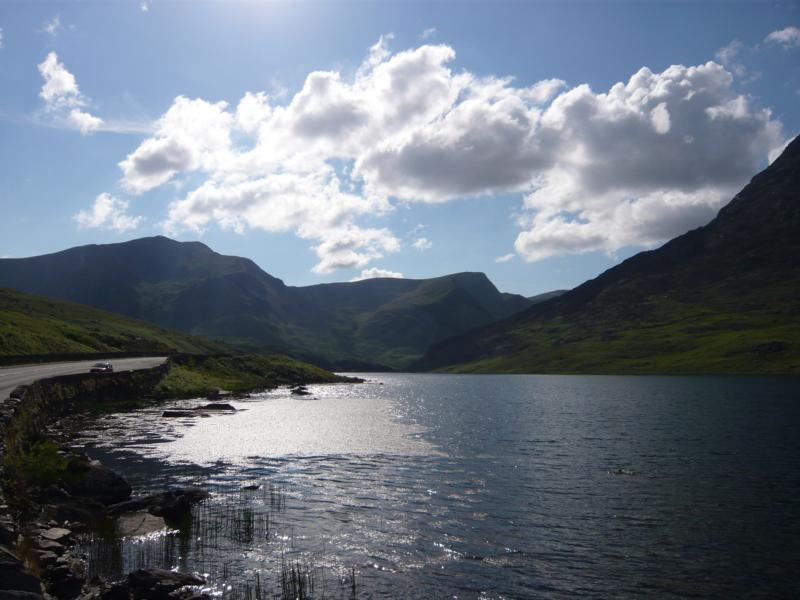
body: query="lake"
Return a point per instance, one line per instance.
(461, 486)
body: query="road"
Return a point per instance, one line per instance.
(11, 377)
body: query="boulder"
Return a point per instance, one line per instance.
(100, 484)
(14, 576)
(173, 505)
(173, 414)
(63, 581)
(119, 590)
(139, 523)
(158, 584)
(79, 510)
(50, 546)
(217, 406)
(46, 558)
(56, 534)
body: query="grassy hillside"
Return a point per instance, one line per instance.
(33, 325)
(724, 298)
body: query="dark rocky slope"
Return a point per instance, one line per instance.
(721, 298)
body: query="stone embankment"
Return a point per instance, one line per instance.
(38, 520)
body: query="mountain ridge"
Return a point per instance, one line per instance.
(379, 323)
(727, 281)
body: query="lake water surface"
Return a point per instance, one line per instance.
(459, 486)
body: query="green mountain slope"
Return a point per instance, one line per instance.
(724, 298)
(34, 325)
(187, 286)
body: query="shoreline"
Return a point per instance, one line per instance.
(49, 493)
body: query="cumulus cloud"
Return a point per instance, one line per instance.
(108, 212)
(648, 160)
(422, 243)
(62, 98)
(634, 165)
(375, 272)
(788, 37)
(191, 135)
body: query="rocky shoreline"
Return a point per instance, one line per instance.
(40, 520)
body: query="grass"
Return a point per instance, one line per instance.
(34, 325)
(41, 465)
(201, 376)
(672, 337)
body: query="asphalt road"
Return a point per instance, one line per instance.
(11, 377)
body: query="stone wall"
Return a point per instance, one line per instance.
(24, 418)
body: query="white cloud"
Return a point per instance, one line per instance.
(788, 37)
(505, 258)
(62, 98)
(312, 205)
(422, 243)
(646, 161)
(427, 33)
(1, 37)
(108, 212)
(60, 87)
(83, 121)
(375, 272)
(191, 135)
(634, 165)
(144, 6)
(53, 26)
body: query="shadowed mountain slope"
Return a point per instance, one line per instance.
(723, 298)
(187, 286)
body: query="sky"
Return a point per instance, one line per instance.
(538, 142)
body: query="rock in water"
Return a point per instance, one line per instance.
(171, 414)
(101, 484)
(217, 406)
(172, 505)
(158, 584)
(139, 523)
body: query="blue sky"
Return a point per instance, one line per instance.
(328, 141)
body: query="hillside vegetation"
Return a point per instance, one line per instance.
(33, 325)
(724, 298)
(202, 375)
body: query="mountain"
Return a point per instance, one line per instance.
(539, 298)
(33, 325)
(723, 298)
(187, 286)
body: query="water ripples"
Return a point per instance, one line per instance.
(490, 486)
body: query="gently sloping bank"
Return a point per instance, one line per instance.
(47, 493)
